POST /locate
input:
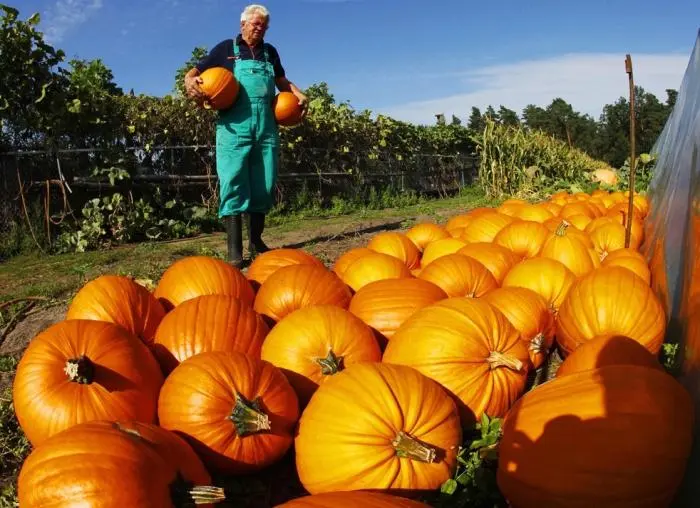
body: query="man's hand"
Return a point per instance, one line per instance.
(192, 88)
(303, 102)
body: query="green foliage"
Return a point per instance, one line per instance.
(198, 53)
(514, 160)
(643, 173)
(14, 446)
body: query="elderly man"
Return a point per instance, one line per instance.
(247, 136)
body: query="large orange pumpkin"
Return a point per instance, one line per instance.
(208, 323)
(201, 275)
(584, 440)
(347, 258)
(569, 251)
(119, 300)
(548, 278)
(470, 348)
(353, 499)
(78, 467)
(314, 343)
(535, 213)
(497, 259)
(287, 109)
(459, 275)
(296, 286)
(385, 304)
(373, 267)
(636, 265)
(425, 232)
(237, 412)
(439, 248)
(377, 426)
(524, 238)
(529, 313)
(605, 350)
(485, 227)
(611, 300)
(220, 88)
(82, 370)
(269, 262)
(397, 245)
(608, 238)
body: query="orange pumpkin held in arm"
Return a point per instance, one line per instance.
(287, 109)
(220, 88)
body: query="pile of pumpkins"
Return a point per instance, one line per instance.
(370, 370)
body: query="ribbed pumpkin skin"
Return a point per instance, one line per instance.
(638, 267)
(569, 251)
(373, 267)
(208, 323)
(79, 467)
(286, 109)
(438, 248)
(524, 238)
(199, 396)
(201, 275)
(314, 343)
(606, 350)
(529, 313)
(424, 233)
(608, 238)
(352, 499)
(124, 385)
(345, 434)
(546, 277)
(120, 300)
(459, 275)
(485, 227)
(535, 213)
(347, 258)
(397, 245)
(385, 304)
(269, 262)
(296, 286)
(457, 342)
(220, 88)
(582, 440)
(611, 300)
(496, 258)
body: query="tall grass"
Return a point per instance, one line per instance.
(515, 160)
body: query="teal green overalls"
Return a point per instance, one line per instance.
(247, 140)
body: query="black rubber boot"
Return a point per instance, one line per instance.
(234, 239)
(256, 225)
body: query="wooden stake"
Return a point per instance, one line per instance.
(633, 158)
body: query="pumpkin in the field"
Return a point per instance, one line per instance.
(267, 263)
(611, 300)
(529, 313)
(485, 227)
(524, 238)
(349, 257)
(119, 300)
(636, 264)
(548, 278)
(353, 499)
(470, 348)
(459, 275)
(296, 286)
(287, 109)
(605, 350)
(314, 343)
(425, 232)
(78, 467)
(201, 275)
(384, 305)
(397, 245)
(584, 440)
(220, 88)
(372, 267)
(569, 251)
(236, 411)
(83, 370)
(438, 248)
(497, 259)
(208, 323)
(381, 427)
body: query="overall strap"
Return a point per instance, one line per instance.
(267, 59)
(236, 51)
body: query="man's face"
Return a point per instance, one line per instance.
(254, 29)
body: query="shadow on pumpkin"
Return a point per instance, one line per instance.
(617, 434)
(113, 381)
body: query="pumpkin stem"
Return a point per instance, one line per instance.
(331, 364)
(561, 229)
(184, 493)
(497, 359)
(471, 295)
(410, 448)
(248, 417)
(537, 343)
(80, 370)
(604, 255)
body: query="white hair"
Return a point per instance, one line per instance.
(255, 8)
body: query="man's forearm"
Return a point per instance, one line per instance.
(285, 85)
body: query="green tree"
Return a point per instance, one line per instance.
(508, 116)
(476, 120)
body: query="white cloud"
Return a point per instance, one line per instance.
(66, 15)
(586, 81)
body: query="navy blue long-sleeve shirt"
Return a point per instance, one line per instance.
(220, 55)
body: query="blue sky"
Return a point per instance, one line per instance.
(400, 57)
